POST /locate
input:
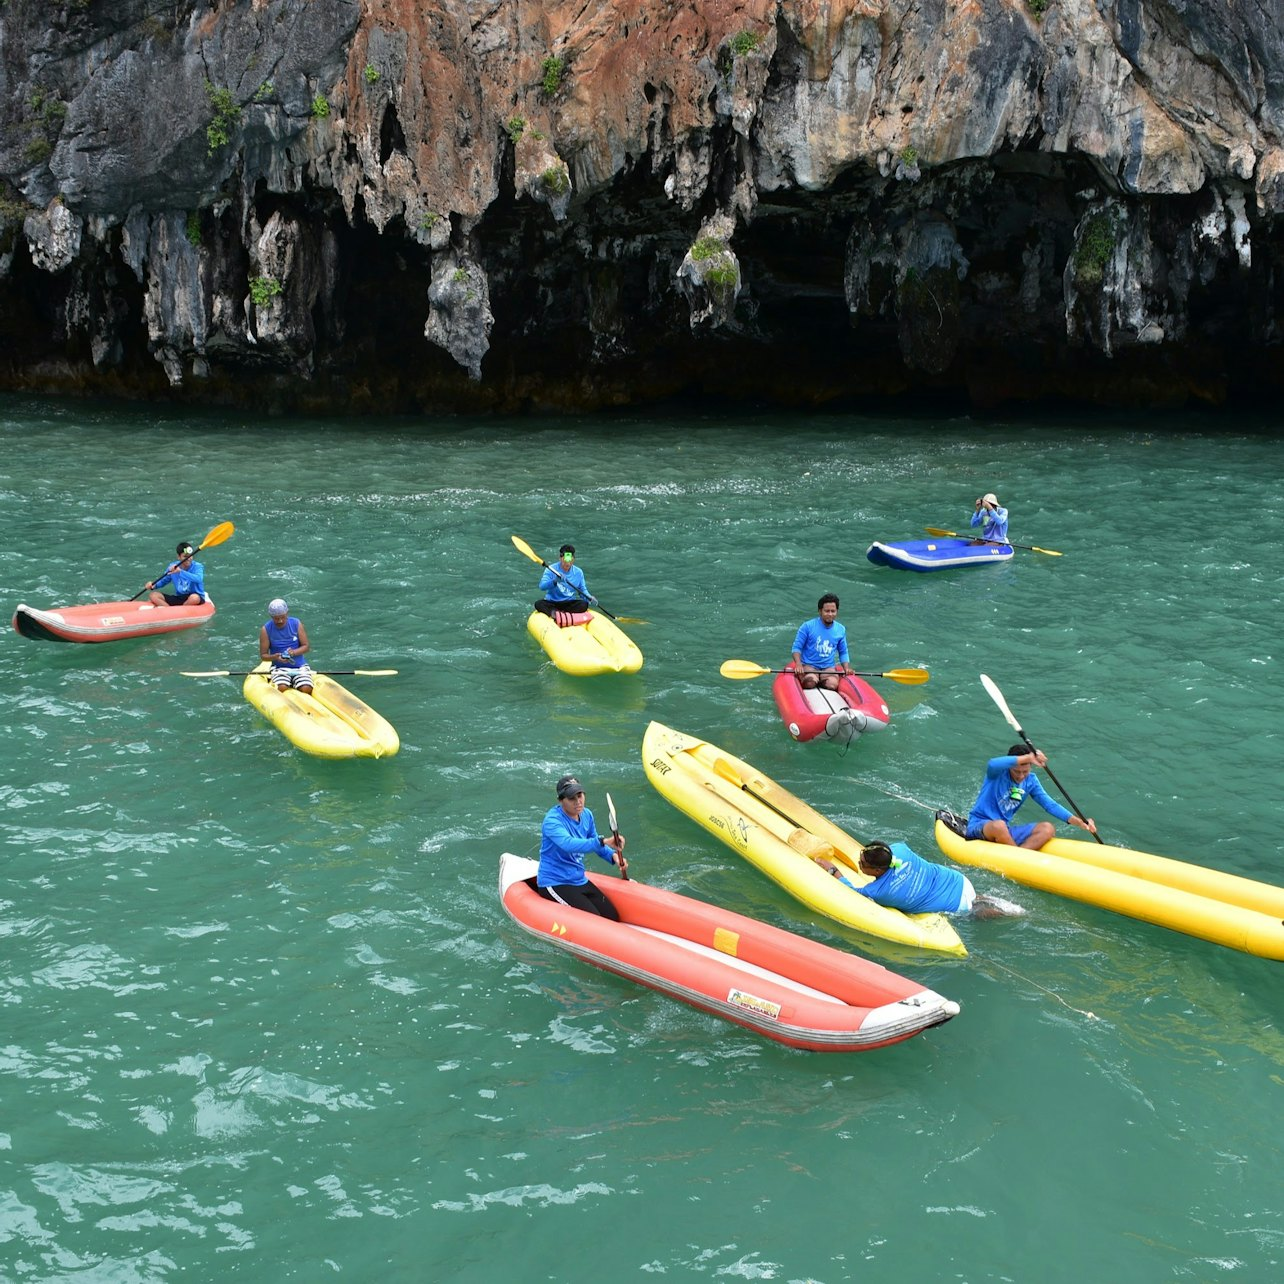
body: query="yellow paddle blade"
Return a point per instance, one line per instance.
(728, 772)
(742, 669)
(906, 677)
(936, 530)
(1051, 552)
(523, 547)
(223, 531)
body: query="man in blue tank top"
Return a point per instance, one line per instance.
(987, 510)
(1009, 781)
(283, 641)
(185, 577)
(901, 879)
(567, 835)
(563, 586)
(820, 655)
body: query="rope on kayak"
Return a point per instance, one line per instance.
(900, 797)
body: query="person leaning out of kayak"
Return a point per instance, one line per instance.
(185, 577)
(820, 647)
(283, 641)
(901, 879)
(1009, 781)
(567, 835)
(989, 511)
(563, 586)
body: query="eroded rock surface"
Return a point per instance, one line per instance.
(385, 204)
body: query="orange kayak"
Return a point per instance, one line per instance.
(107, 621)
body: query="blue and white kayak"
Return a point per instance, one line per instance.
(937, 554)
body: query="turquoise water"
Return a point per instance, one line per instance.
(264, 1018)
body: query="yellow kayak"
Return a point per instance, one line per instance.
(1223, 908)
(596, 646)
(780, 834)
(330, 723)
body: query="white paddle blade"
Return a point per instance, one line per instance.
(610, 811)
(997, 696)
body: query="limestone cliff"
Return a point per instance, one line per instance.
(394, 204)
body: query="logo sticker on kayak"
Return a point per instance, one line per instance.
(764, 1007)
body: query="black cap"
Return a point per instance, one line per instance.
(568, 787)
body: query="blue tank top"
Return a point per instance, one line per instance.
(282, 639)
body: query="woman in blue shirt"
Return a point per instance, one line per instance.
(567, 835)
(988, 510)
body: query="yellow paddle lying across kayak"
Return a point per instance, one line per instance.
(747, 669)
(325, 673)
(1033, 548)
(523, 547)
(221, 532)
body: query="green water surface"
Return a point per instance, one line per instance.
(265, 1019)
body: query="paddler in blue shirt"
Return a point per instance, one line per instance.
(563, 586)
(988, 510)
(186, 577)
(1009, 781)
(567, 835)
(283, 641)
(901, 879)
(820, 647)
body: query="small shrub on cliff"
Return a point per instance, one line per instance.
(459, 275)
(193, 231)
(556, 181)
(371, 74)
(516, 128)
(263, 289)
(744, 43)
(909, 156)
(707, 247)
(553, 70)
(320, 107)
(226, 113)
(264, 92)
(1094, 248)
(37, 150)
(1037, 7)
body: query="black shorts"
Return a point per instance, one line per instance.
(582, 896)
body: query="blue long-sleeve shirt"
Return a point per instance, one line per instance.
(996, 523)
(563, 844)
(1001, 796)
(187, 581)
(563, 586)
(915, 885)
(819, 646)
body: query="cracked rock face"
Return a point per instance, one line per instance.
(382, 204)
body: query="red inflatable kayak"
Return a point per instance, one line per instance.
(841, 715)
(796, 991)
(107, 621)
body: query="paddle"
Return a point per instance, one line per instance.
(997, 696)
(615, 833)
(221, 532)
(747, 669)
(325, 673)
(523, 547)
(1033, 548)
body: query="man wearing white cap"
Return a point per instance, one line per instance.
(283, 641)
(995, 517)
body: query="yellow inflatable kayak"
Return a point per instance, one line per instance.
(779, 834)
(330, 723)
(592, 645)
(1201, 902)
